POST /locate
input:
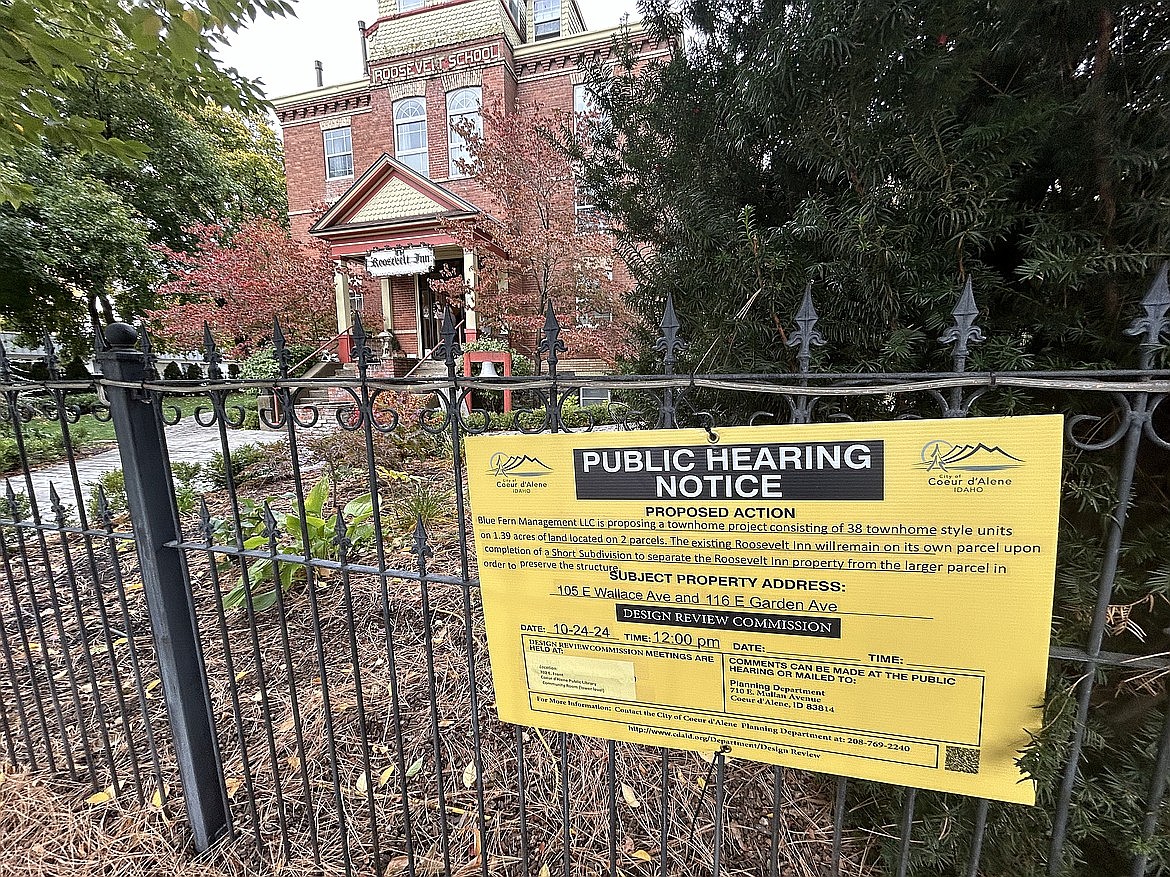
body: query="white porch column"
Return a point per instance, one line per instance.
(470, 271)
(344, 303)
(387, 305)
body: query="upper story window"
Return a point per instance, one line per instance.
(546, 19)
(338, 153)
(516, 10)
(463, 106)
(584, 107)
(409, 5)
(584, 103)
(410, 134)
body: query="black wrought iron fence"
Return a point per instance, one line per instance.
(287, 646)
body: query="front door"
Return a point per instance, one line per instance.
(430, 306)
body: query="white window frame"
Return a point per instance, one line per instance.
(410, 5)
(417, 109)
(550, 13)
(329, 138)
(595, 396)
(458, 108)
(583, 105)
(516, 8)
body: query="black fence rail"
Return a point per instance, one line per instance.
(287, 645)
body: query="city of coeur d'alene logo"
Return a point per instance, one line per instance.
(517, 466)
(943, 456)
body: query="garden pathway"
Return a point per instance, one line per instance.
(186, 442)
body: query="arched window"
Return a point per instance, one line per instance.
(462, 106)
(410, 134)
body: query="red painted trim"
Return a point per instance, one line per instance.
(376, 242)
(501, 356)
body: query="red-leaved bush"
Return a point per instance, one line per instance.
(238, 281)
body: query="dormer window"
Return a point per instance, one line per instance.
(546, 19)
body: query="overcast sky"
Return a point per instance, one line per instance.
(281, 51)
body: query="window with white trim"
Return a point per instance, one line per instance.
(584, 108)
(594, 396)
(463, 106)
(338, 153)
(410, 134)
(516, 9)
(409, 5)
(546, 19)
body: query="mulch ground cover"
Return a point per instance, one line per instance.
(291, 768)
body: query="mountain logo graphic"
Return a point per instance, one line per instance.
(516, 466)
(942, 456)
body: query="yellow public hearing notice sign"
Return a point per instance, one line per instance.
(865, 599)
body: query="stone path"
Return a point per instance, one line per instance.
(186, 442)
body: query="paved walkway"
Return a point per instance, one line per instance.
(186, 441)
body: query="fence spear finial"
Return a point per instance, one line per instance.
(56, 504)
(105, 514)
(422, 547)
(52, 360)
(204, 519)
(1156, 322)
(360, 349)
(448, 348)
(5, 366)
(669, 344)
(806, 336)
(551, 344)
(340, 535)
(10, 496)
(211, 355)
(964, 332)
(280, 348)
(269, 522)
(148, 352)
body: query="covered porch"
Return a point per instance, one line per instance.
(389, 227)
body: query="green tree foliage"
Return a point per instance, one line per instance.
(48, 49)
(886, 150)
(84, 239)
(118, 131)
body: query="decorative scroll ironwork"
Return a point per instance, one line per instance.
(352, 588)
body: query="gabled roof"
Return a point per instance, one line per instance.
(389, 195)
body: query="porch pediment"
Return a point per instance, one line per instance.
(389, 195)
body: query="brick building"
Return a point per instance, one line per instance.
(381, 152)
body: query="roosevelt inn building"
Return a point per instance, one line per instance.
(382, 155)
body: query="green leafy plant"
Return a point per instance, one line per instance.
(289, 538)
(114, 485)
(431, 502)
(185, 477)
(43, 442)
(249, 463)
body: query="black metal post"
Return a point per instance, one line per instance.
(154, 516)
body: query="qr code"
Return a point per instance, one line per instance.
(960, 759)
